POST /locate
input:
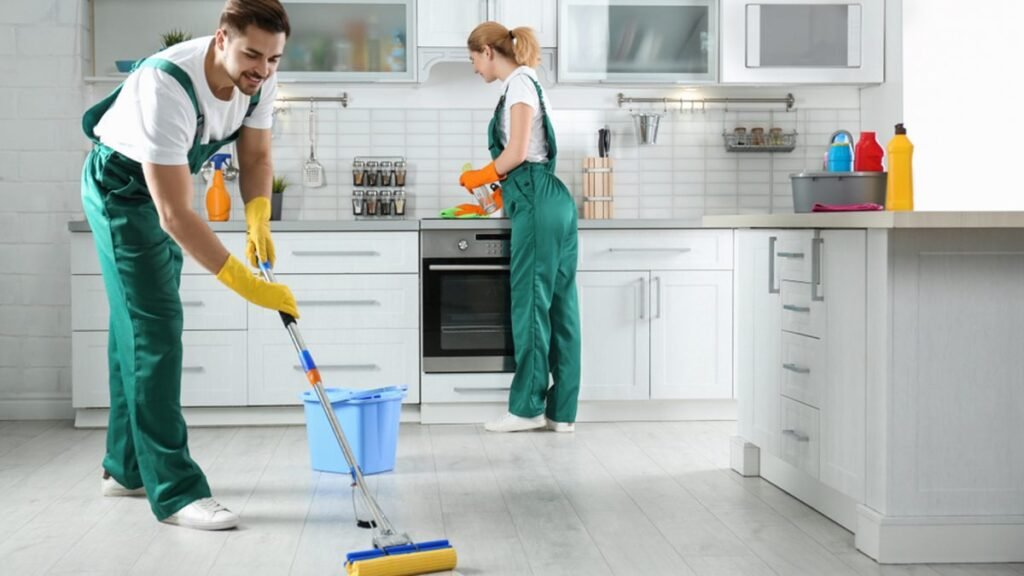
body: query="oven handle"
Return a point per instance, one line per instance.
(467, 267)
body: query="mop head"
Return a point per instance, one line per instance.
(410, 560)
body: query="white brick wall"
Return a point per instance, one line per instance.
(41, 153)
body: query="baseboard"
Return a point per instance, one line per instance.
(841, 508)
(231, 416)
(940, 539)
(604, 411)
(37, 409)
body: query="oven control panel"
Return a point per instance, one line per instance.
(466, 243)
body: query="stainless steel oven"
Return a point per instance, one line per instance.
(466, 306)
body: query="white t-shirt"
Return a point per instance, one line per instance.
(153, 120)
(518, 88)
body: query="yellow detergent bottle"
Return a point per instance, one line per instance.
(218, 201)
(899, 194)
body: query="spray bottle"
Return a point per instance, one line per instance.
(483, 194)
(218, 201)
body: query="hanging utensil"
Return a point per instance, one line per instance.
(312, 170)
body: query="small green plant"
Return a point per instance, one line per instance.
(279, 185)
(174, 36)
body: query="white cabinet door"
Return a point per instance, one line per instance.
(691, 335)
(614, 312)
(541, 15)
(447, 23)
(757, 337)
(842, 260)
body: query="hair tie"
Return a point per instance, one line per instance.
(511, 35)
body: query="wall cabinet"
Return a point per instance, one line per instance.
(656, 314)
(448, 23)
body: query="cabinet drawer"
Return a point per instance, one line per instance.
(346, 252)
(793, 256)
(206, 304)
(655, 250)
(85, 261)
(346, 359)
(802, 372)
(347, 301)
(799, 441)
(439, 388)
(213, 369)
(800, 313)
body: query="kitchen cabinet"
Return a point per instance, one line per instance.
(448, 23)
(656, 314)
(803, 41)
(638, 41)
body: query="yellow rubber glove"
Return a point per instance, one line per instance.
(257, 220)
(471, 179)
(236, 276)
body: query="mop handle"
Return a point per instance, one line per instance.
(313, 375)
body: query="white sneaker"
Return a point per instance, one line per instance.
(512, 423)
(204, 514)
(111, 487)
(561, 426)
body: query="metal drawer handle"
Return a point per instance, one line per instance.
(346, 367)
(195, 369)
(771, 265)
(790, 255)
(801, 309)
(671, 250)
(335, 253)
(797, 369)
(338, 302)
(796, 435)
(467, 267)
(482, 389)
(192, 303)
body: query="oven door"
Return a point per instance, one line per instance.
(467, 317)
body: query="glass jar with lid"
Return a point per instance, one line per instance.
(372, 173)
(358, 173)
(400, 173)
(386, 174)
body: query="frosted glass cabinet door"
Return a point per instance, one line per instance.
(348, 40)
(803, 40)
(631, 41)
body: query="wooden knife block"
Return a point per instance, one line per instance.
(597, 188)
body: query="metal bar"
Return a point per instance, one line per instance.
(468, 267)
(343, 99)
(789, 101)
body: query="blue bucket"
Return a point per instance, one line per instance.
(369, 419)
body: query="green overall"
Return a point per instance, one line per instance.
(147, 442)
(545, 312)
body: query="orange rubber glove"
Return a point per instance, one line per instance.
(258, 243)
(474, 178)
(274, 296)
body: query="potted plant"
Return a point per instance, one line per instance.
(277, 189)
(173, 37)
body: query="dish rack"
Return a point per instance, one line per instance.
(784, 142)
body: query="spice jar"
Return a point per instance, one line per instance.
(358, 173)
(386, 175)
(384, 204)
(371, 203)
(358, 203)
(372, 174)
(741, 135)
(399, 199)
(400, 173)
(757, 137)
(775, 136)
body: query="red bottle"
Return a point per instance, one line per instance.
(867, 156)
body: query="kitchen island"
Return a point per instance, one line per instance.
(879, 372)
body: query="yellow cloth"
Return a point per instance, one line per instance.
(258, 243)
(274, 296)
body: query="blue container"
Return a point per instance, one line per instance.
(840, 157)
(369, 419)
(124, 66)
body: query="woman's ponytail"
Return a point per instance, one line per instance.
(519, 45)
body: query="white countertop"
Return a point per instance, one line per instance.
(413, 224)
(880, 219)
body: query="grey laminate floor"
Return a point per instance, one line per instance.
(622, 499)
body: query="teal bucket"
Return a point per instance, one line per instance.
(369, 419)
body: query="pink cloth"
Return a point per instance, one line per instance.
(865, 207)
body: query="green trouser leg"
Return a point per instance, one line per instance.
(147, 440)
(545, 317)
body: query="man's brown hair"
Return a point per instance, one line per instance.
(268, 15)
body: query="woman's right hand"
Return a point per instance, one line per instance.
(235, 275)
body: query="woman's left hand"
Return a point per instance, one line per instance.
(471, 179)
